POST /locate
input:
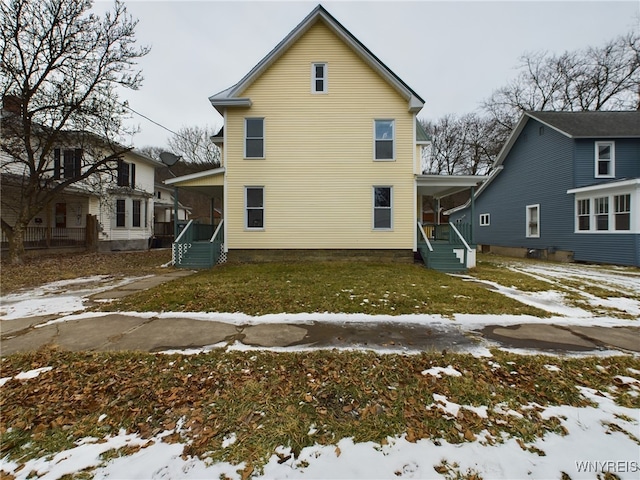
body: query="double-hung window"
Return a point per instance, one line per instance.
(319, 78)
(584, 214)
(384, 140)
(601, 211)
(136, 213)
(382, 208)
(605, 160)
(67, 163)
(254, 207)
(120, 213)
(126, 174)
(533, 221)
(254, 138)
(622, 211)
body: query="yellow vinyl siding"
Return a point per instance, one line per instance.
(318, 171)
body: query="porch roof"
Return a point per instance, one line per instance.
(211, 177)
(440, 186)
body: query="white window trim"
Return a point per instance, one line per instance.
(528, 221)
(634, 216)
(373, 209)
(577, 214)
(612, 161)
(393, 140)
(485, 219)
(246, 210)
(325, 78)
(264, 143)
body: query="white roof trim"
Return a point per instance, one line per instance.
(194, 176)
(606, 186)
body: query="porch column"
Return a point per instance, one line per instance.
(473, 203)
(175, 213)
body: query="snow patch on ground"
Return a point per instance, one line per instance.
(599, 438)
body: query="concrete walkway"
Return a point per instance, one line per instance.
(114, 331)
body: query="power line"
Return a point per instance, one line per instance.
(197, 145)
(125, 105)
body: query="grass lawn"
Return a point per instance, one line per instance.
(266, 400)
(334, 287)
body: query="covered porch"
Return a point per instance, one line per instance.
(199, 245)
(445, 246)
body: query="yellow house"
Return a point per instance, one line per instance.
(321, 156)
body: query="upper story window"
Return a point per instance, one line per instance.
(605, 160)
(126, 174)
(485, 219)
(67, 163)
(319, 78)
(254, 138)
(384, 133)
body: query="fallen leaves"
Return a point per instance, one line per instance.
(240, 407)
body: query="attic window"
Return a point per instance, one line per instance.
(319, 78)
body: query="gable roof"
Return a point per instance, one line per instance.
(576, 125)
(232, 96)
(600, 124)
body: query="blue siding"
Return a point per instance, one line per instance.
(539, 169)
(627, 160)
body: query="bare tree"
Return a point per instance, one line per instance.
(465, 145)
(596, 78)
(194, 145)
(61, 66)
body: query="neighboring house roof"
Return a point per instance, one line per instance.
(233, 96)
(601, 124)
(141, 156)
(576, 125)
(422, 137)
(195, 176)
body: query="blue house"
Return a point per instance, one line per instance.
(566, 185)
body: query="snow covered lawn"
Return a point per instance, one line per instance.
(235, 414)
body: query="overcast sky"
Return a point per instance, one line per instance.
(452, 53)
